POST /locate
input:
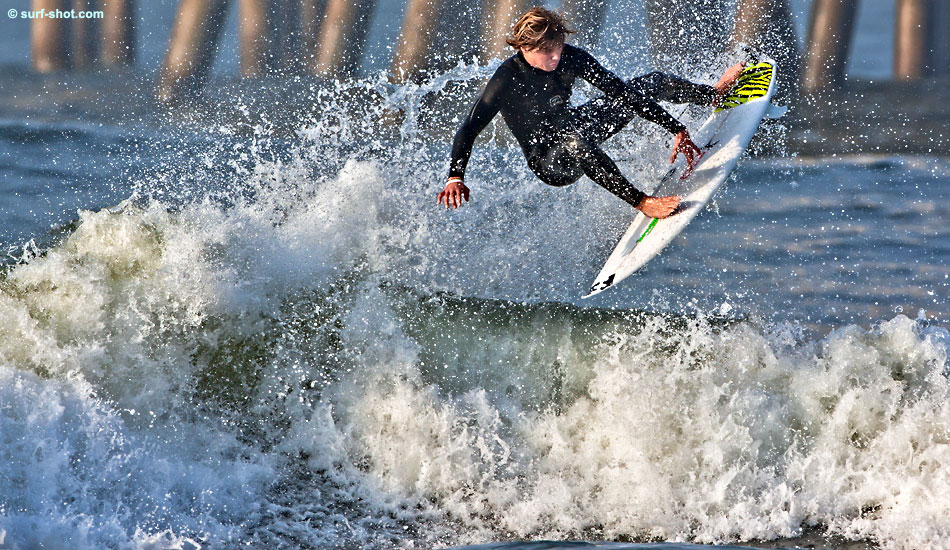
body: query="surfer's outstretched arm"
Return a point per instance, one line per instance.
(485, 109)
(660, 86)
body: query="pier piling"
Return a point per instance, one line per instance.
(118, 33)
(191, 51)
(829, 39)
(766, 26)
(49, 37)
(327, 36)
(256, 33)
(436, 34)
(498, 16)
(342, 36)
(587, 18)
(416, 38)
(915, 38)
(311, 19)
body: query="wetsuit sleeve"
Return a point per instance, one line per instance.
(481, 114)
(592, 71)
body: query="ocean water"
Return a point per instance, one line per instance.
(223, 330)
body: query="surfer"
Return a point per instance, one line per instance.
(561, 143)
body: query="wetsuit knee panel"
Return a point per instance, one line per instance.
(558, 166)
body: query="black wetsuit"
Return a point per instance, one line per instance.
(560, 142)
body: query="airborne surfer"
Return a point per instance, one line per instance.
(561, 143)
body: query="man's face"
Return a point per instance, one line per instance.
(545, 59)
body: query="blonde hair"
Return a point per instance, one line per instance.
(539, 28)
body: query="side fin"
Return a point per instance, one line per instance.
(776, 111)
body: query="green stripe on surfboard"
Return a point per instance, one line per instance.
(649, 228)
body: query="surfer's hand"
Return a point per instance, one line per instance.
(453, 194)
(658, 207)
(683, 144)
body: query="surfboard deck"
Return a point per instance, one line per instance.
(722, 140)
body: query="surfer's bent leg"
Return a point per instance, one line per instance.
(666, 87)
(601, 118)
(573, 156)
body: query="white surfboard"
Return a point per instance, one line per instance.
(722, 138)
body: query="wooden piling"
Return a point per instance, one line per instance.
(416, 38)
(829, 39)
(436, 35)
(686, 34)
(311, 19)
(498, 17)
(256, 37)
(458, 36)
(118, 33)
(766, 26)
(193, 44)
(287, 45)
(84, 41)
(342, 36)
(49, 37)
(587, 18)
(914, 39)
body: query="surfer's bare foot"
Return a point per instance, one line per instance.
(726, 82)
(658, 207)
